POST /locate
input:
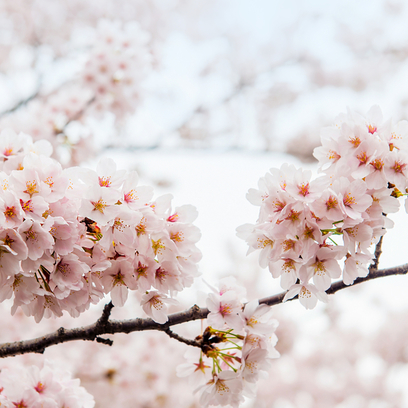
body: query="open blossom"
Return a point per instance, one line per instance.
(396, 168)
(155, 305)
(258, 318)
(11, 213)
(12, 250)
(117, 279)
(323, 267)
(183, 213)
(355, 266)
(106, 175)
(197, 369)
(36, 238)
(223, 389)
(100, 205)
(354, 197)
(224, 309)
(12, 144)
(303, 189)
(255, 365)
(328, 206)
(46, 387)
(287, 269)
(135, 196)
(67, 275)
(308, 294)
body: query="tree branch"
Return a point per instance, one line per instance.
(21, 103)
(336, 286)
(105, 326)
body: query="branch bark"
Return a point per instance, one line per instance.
(105, 326)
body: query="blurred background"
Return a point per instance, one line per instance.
(202, 98)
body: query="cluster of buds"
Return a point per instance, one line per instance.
(306, 227)
(235, 350)
(70, 236)
(49, 387)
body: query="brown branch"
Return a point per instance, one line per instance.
(105, 326)
(106, 313)
(336, 286)
(94, 331)
(176, 336)
(381, 273)
(377, 254)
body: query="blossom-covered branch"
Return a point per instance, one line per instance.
(72, 236)
(311, 232)
(105, 326)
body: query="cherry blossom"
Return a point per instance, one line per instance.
(223, 389)
(46, 387)
(363, 176)
(240, 345)
(155, 305)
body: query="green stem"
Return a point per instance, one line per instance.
(333, 230)
(229, 365)
(332, 240)
(235, 344)
(217, 364)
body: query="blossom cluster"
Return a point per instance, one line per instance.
(116, 66)
(236, 348)
(70, 236)
(306, 227)
(49, 387)
(109, 79)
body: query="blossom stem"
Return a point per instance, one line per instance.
(217, 364)
(229, 365)
(332, 240)
(236, 345)
(232, 348)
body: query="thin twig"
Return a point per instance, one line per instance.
(377, 254)
(106, 313)
(176, 336)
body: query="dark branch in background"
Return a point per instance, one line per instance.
(105, 326)
(20, 103)
(79, 114)
(244, 83)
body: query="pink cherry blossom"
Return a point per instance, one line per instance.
(155, 305)
(308, 294)
(223, 389)
(224, 309)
